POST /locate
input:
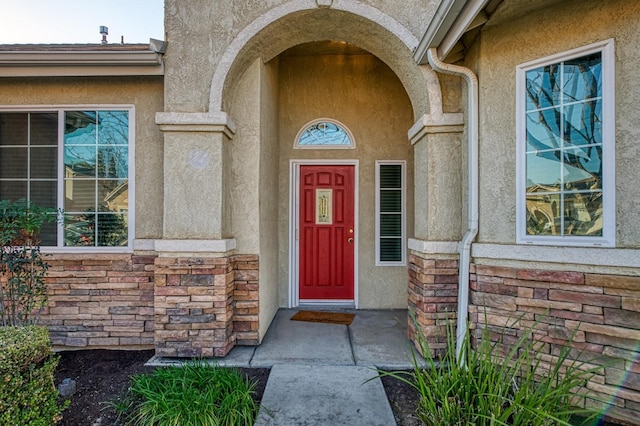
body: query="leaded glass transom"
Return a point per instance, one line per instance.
(324, 133)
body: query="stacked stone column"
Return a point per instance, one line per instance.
(194, 307)
(433, 260)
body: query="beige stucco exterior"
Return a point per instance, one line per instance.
(253, 189)
(293, 90)
(366, 97)
(214, 251)
(237, 72)
(238, 33)
(213, 174)
(546, 32)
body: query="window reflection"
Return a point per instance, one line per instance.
(96, 158)
(564, 148)
(29, 162)
(324, 133)
(95, 169)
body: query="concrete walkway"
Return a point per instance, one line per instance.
(324, 374)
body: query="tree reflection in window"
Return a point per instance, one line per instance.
(564, 148)
(96, 160)
(324, 133)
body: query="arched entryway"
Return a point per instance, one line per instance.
(273, 100)
(290, 65)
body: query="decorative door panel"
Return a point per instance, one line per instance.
(327, 232)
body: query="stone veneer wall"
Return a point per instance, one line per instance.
(197, 313)
(246, 299)
(100, 300)
(184, 306)
(433, 297)
(602, 310)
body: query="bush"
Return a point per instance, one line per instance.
(196, 394)
(23, 292)
(486, 385)
(27, 392)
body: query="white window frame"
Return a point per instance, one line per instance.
(296, 143)
(606, 48)
(60, 110)
(403, 213)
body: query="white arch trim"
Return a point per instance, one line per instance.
(375, 15)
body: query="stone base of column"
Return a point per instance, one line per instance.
(433, 301)
(196, 298)
(246, 300)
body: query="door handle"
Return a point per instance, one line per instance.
(350, 240)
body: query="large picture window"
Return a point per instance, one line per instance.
(75, 160)
(566, 148)
(390, 213)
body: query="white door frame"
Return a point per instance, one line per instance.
(294, 227)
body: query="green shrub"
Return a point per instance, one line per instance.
(23, 292)
(488, 385)
(27, 392)
(196, 394)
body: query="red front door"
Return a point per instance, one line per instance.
(326, 232)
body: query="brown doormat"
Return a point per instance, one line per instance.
(326, 317)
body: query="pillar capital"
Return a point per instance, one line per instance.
(218, 121)
(436, 123)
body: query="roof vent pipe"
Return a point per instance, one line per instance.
(105, 32)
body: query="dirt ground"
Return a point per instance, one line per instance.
(102, 376)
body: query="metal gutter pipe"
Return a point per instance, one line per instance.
(472, 231)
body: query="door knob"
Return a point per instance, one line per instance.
(350, 240)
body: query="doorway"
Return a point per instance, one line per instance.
(323, 264)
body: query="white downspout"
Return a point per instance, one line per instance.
(472, 231)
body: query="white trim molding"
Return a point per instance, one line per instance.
(144, 244)
(196, 122)
(434, 247)
(589, 256)
(195, 246)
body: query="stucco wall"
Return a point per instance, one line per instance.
(253, 153)
(545, 32)
(438, 177)
(269, 152)
(244, 170)
(143, 92)
(362, 93)
(200, 31)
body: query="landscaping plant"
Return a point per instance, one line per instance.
(27, 392)
(23, 292)
(491, 383)
(196, 394)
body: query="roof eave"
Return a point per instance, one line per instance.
(30, 63)
(451, 20)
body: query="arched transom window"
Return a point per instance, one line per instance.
(324, 133)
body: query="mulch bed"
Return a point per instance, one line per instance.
(403, 399)
(102, 376)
